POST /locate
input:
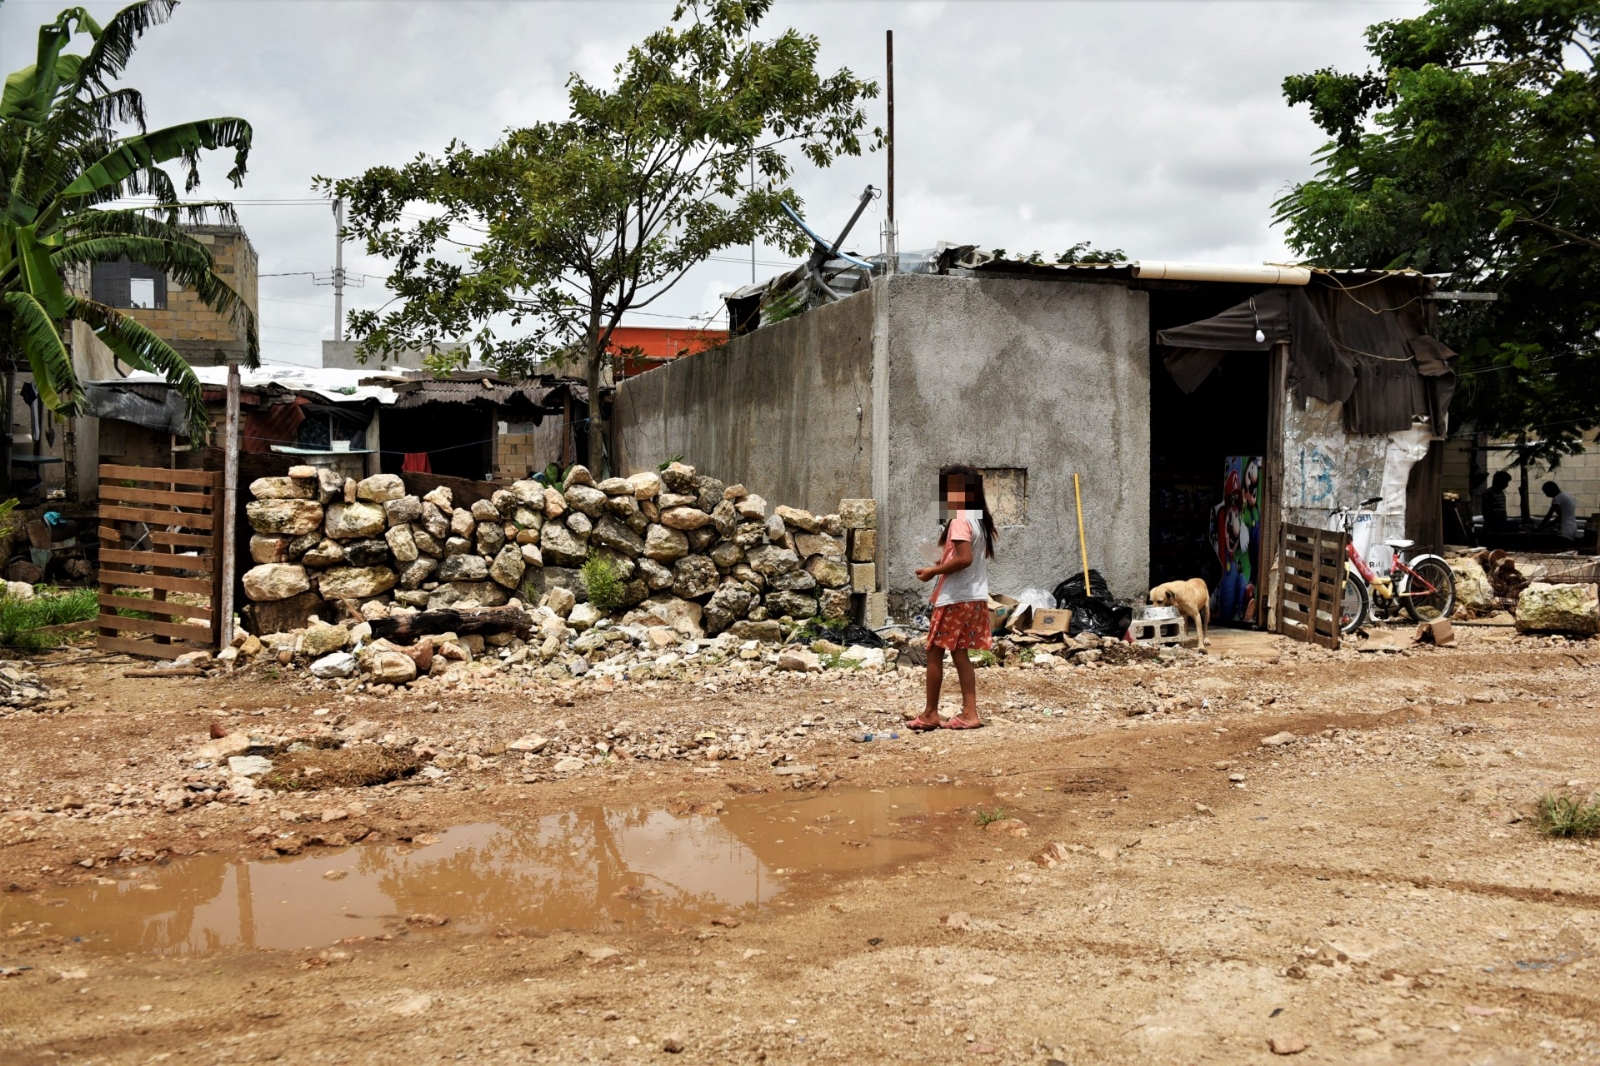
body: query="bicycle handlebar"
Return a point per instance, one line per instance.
(1363, 504)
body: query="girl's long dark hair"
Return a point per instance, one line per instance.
(972, 482)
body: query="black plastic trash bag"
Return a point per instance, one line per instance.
(1095, 612)
(1101, 618)
(854, 633)
(1070, 591)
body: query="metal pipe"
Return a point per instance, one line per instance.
(809, 232)
(866, 197)
(889, 46)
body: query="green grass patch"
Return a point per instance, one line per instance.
(998, 814)
(21, 620)
(129, 612)
(984, 657)
(1569, 816)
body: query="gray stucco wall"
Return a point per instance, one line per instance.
(787, 410)
(1048, 376)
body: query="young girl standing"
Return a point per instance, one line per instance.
(961, 599)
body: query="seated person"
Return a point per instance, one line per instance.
(1563, 516)
(1494, 505)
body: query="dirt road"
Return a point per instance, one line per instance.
(1370, 888)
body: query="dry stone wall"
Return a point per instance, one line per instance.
(690, 553)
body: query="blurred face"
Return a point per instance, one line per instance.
(955, 495)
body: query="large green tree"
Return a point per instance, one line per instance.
(63, 167)
(536, 247)
(1469, 150)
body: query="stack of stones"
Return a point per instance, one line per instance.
(690, 552)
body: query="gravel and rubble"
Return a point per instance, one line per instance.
(1187, 856)
(712, 703)
(22, 690)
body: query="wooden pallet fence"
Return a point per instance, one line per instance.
(160, 534)
(1311, 584)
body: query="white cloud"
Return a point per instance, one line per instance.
(1155, 127)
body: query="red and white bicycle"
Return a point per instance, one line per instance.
(1422, 586)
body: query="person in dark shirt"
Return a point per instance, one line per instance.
(1494, 505)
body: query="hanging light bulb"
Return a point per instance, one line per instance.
(1260, 337)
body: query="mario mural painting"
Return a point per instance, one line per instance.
(1236, 539)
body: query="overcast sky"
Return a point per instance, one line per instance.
(1154, 126)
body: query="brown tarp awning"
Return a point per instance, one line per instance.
(1365, 344)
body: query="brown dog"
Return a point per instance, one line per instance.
(1191, 598)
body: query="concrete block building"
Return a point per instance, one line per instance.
(1035, 374)
(176, 314)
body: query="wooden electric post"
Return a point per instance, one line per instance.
(230, 504)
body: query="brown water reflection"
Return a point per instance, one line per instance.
(595, 868)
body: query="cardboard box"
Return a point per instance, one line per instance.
(1439, 632)
(1047, 622)
(1000, 610)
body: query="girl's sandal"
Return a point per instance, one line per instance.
(957, 722)
(921, 724)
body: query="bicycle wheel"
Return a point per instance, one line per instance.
(1430, 589)
(1353, 604)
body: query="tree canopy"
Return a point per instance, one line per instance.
(61, 161)
(1470, 151)
(535, 248)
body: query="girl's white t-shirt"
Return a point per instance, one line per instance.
(973, 582)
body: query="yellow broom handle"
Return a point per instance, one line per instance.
(1083, 544)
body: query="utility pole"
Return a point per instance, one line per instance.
(230, 509)
(338, 278)
(338, 270)
(891, 232)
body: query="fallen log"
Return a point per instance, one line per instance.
(170, 671)
(461, 621)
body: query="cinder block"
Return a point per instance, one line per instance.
(863, 545)
(863, 577)
(875, 610)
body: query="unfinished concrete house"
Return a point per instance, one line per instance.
(1199, 406)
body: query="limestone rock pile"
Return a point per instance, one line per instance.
(690, 553)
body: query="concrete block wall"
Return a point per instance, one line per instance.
(1577, 474)
(1017, 374)
(788, 408)
(514, 456)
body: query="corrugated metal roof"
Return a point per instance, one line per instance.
(481, 388)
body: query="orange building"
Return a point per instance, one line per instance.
(640, 348)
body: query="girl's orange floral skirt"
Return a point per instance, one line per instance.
(960, 625)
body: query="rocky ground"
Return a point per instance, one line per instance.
(1268, 850)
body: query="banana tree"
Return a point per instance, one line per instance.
(65, 178)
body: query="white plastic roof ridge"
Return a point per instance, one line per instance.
(1264, 274)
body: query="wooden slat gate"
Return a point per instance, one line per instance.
(160, 530)
(1311, 584)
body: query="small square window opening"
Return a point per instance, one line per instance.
(1006, 489)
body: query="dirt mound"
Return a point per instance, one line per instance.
(358, 767)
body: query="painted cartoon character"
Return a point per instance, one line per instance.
(1233, 521)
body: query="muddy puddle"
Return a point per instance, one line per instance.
(596, 868)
